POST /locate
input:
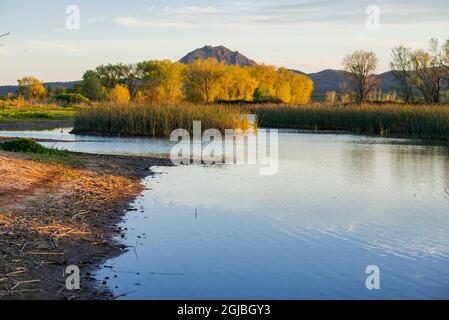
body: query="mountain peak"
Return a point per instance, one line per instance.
(221, 53)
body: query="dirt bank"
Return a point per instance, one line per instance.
(53, 215)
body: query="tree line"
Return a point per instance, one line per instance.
(420, 74)
(166, 82)
(201, 81)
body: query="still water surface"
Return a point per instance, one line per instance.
(338, 204)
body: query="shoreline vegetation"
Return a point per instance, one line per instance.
(387, 120)
(60, 208)
(157, 120)
(420, 121)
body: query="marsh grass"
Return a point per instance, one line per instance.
(156, 120)
(418, 121)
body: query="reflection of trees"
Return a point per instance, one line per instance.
(420, 164)
(360, 163)
(398, 166)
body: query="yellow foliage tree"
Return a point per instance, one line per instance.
(266, 77)
(301, 87)
(31, 88)
(282, 84)
(162, 81)
(237, 83)
(203, 79)
(119, 94)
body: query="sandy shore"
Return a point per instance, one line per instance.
(53, 215)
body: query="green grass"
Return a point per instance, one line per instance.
(417, 121)
(36, 113)
(156, 120)
(35, 150)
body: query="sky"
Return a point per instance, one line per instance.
(305, 35)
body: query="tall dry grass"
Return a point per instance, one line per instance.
(156, 120)
(418, 121)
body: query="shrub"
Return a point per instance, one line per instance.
(70, 98)
(120, 95)
(24, 145)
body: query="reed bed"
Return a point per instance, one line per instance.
(156, 120)
(417, 121)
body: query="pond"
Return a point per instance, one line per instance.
(337, 204)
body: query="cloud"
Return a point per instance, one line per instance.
(65, 47)
(132, 22)
(330, 12)
(96, 19)
(190, 11)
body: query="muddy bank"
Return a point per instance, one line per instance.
(35, 125)
(53, 215)
(41, 140)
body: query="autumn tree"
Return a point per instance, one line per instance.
(120, 94)
(266, 77)
(401, 67)
(446, 55)
(429, 70)
(91, 86)
(112, 74)
(237, 83)
(133, 75)
(161, 81)
(31, 88)
(360, 66)
(202, 80)
(292, 87)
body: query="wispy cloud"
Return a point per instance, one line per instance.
(132, 22)
(190, 11)
(96, 19)
(305, 11)
(65, 47)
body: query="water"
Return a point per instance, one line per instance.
(101, 145)
(338, 204)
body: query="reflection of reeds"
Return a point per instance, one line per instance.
(420, 121)
(156, 120)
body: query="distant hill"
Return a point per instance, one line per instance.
(222, 54)
(12, 89)
(331, 80)
(328, 80)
